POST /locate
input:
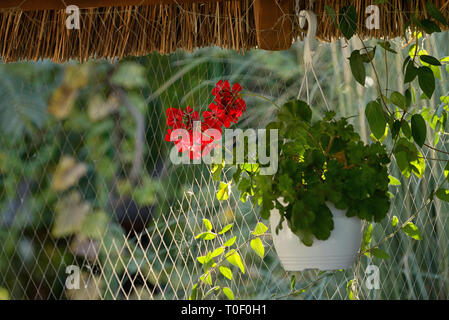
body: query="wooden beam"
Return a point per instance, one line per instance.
(273, 23)
(62, 4)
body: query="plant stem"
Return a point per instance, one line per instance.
(261, 97)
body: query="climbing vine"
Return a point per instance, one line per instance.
(396, 118)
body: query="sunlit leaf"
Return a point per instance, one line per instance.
(206, 278)
(257, 246)
(350, 289)
(394, 221)
(394, 181)
(367, 237)
(233, 257)
(292, 282)
(228, 292)
(225, 271)
(194, 292)
(207, 224)
(217, 252)
(223, 191)
(412, 231)
(260, 229)
(230, 242)
(226, 228)
(206, 236)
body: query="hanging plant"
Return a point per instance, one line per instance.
(319, 162)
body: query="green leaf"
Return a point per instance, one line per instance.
(257, 246)
(234, 258)
(367, 237)
(348, 21)
(433, 11)
(292, 282)
(426, 80)
(398, 99)
(250, 167)
(226, 228)
(217, 252)
(394, 181)
(408, 98)
(430, 60)
(395, 128)
(368, 56)
(216, 171)
(405, 129)
(202, 259)
(443, 194)
(394, 221)
(206, 278)
(429, 26)
(350, 289)
(419, 129)
(295, 110)
(228, 292)
(207, 224)
(194, 292)
(206, 236)
(225, 271)
(223, 192)
(230, 242)
(357, 67)
(260, 229)
(418, 165)
(412, 231)
(410, 72)
(379, 253)
(376, 119)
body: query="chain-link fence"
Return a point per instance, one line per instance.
(87, 186)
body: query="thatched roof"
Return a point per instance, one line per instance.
(36, 29)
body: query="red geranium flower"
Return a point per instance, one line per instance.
(179, 119)
(230, 101)
(215, 118)
(198, 141)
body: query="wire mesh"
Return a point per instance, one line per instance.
(86, 180)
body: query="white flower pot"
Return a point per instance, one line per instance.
(338, 252)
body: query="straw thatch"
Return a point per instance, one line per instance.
(167, 25)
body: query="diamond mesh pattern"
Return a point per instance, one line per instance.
(136, 239)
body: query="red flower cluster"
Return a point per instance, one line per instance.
(227, 108)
